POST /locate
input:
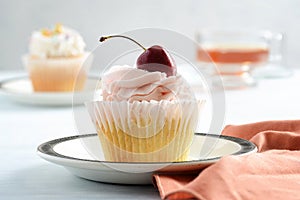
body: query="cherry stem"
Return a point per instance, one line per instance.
(102, 39)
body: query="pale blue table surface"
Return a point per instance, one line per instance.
(23, 175)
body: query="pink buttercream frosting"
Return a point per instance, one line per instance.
(125, 83)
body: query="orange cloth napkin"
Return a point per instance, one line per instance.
(273, 173)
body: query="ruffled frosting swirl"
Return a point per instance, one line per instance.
(125, 83)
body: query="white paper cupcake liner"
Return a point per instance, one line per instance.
(145, 131)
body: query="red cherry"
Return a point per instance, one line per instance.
(155, 58)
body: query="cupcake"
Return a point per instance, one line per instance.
(55, 59)
(145, 114)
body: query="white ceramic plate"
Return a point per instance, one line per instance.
(70, 153)
(20, 90)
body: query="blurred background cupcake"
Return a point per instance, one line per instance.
(55, 60)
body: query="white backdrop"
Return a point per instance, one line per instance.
(93, 18)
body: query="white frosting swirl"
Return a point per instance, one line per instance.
(66, 43)
(125, 83)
